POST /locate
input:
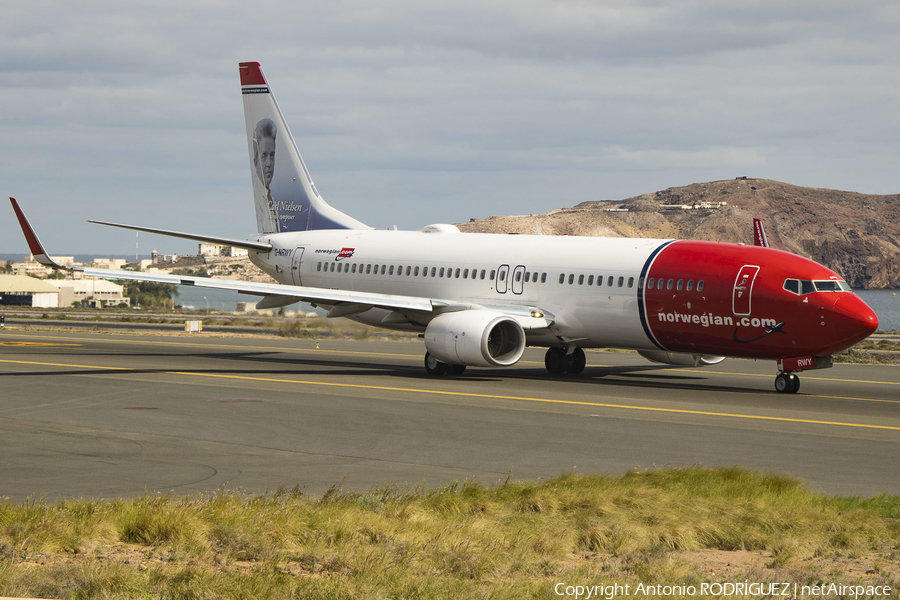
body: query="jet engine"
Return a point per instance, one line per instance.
(683, 359)
(479, 338)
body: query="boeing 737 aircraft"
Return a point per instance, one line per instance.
(480, 299)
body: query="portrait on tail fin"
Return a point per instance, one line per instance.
(264, 160)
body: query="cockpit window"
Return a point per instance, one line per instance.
(803, 287)
(827, 286)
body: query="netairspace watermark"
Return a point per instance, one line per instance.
(719, 590)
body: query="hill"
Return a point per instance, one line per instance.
(856, 235)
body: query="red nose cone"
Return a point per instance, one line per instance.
(853, 320)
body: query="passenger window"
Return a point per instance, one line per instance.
(518, 276)
(590, 280)
(502, 275)
(353, 268)
(609, 281)
(319, 267)
(408, 269)
(690, 284)
(382, 269)
(679, 285)
(543, 278)
(493, 273)
(571, 279)
(391, 271)
(482, 274)
(621, 281)
(650, 284)
(562, 277)
(792, 285)
(442, 271)
(669, 284)
(457, 274)
(700, 286)
(641, 283)
(466, 274)
(368, 269)
(631, 282)
(581, 280)
(527, 277)
(434, 270)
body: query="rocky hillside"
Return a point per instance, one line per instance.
(857, 235)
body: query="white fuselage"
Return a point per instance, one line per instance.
(589, 285)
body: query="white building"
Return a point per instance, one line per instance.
(29, 266)
(97, 292)
(109, 263)
(217, 250)
(19, 290)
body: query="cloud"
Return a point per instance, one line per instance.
(131, 112)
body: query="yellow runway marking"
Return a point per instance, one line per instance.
(278, 348)
(16, 343)
(475, 395)
(286, 349)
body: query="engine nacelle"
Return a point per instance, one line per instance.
(683, 359)
(479, 338)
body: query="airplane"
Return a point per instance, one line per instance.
(479, 299)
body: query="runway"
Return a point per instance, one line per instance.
(105, 415)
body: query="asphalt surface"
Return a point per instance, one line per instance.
(106, 415)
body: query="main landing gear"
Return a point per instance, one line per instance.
(436, 367)
(787, 383)
(559, 360)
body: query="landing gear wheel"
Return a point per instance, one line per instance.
(456, 369)
(576, 361)
(434, 366)
(556, 360)
(787, 383)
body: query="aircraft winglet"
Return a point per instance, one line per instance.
(34, 244)
(759, 234)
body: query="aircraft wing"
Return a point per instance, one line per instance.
(344, 302)
(293, 293)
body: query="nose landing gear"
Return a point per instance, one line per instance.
(787, 383)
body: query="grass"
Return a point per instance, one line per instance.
(464, 540)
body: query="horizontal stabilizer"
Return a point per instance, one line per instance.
(209, 239)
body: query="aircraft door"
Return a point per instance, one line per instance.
(743, 288)
(518, 280)
(501, 283)
(295, 266)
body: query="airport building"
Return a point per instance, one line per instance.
(97, 293)
(19, 290)
(211, 250)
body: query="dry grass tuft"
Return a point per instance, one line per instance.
(464, 540)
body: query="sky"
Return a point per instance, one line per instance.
(409, 113)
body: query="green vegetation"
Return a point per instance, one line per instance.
(516, 540)
(871, 351)
(148, 294)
